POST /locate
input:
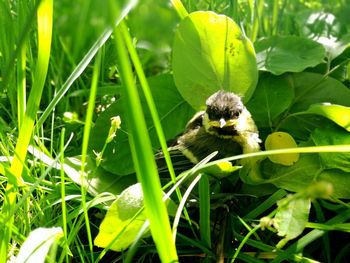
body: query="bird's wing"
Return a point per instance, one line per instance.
(196, 121)
(180, 162)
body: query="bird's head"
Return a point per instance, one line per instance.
(223, 113)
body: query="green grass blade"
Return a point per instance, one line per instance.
(45, 14)
(150, 102)
(21, 70)
(258, 10)
(79, 69)
(183, 203)
(180, 9)
(267, 204)
(204, 210)
(87, 129)
(142, 154)
(274, 20)
(63, 194)
(45, 11)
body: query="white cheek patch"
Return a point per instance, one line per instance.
(243, 121)
(252, 140)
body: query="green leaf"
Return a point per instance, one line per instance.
(312, 88)
(219, 169)
(340, 181)
(333, 135)
(124, 219)
(293, 178)
(119, 228)
(292, 216)
(301, 125)
(37, 245)
(173, 111)
(280, 140)
(308, 170)
(272, 96)
(96, 180)
(337, 113)
(280, 54)
(210, 53)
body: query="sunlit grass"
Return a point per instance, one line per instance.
(41, 66)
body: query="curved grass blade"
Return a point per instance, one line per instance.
(85, 62)
(45, 15)
(142, 154)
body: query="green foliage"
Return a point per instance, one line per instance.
(332, 135)
(170, 104)
(37, 245)
(288, 54)
(53, 200)
(337, 113)
(281, 140)
(123, 220)
(291, 217)
(273, 96)
(210, 53)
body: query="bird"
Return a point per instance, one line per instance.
(225, 126)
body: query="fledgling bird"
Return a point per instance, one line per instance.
(225, 126)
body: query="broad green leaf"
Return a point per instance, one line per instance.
(96, 180)
(280, 54)
(173, 111)
(301, 125)
(337, 113)
(37, 245)
(333, 135)
(273, 95)
(340, 181)
(210, 53)
(124, 220)
(312, 88)
(304, 173)
(293, 178)
(118, 229)
(219, 170)
(292, 216)
(281, 140)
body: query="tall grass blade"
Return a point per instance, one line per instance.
(142, 155)
(45, 12)
(87, 129)
(21, 69)
(179, 7)
(79, 69)
(204, 210)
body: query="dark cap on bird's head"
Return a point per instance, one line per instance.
(222, 107)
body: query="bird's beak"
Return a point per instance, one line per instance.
(222, 122)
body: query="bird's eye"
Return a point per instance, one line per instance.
(212, 115)
(227, 115)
